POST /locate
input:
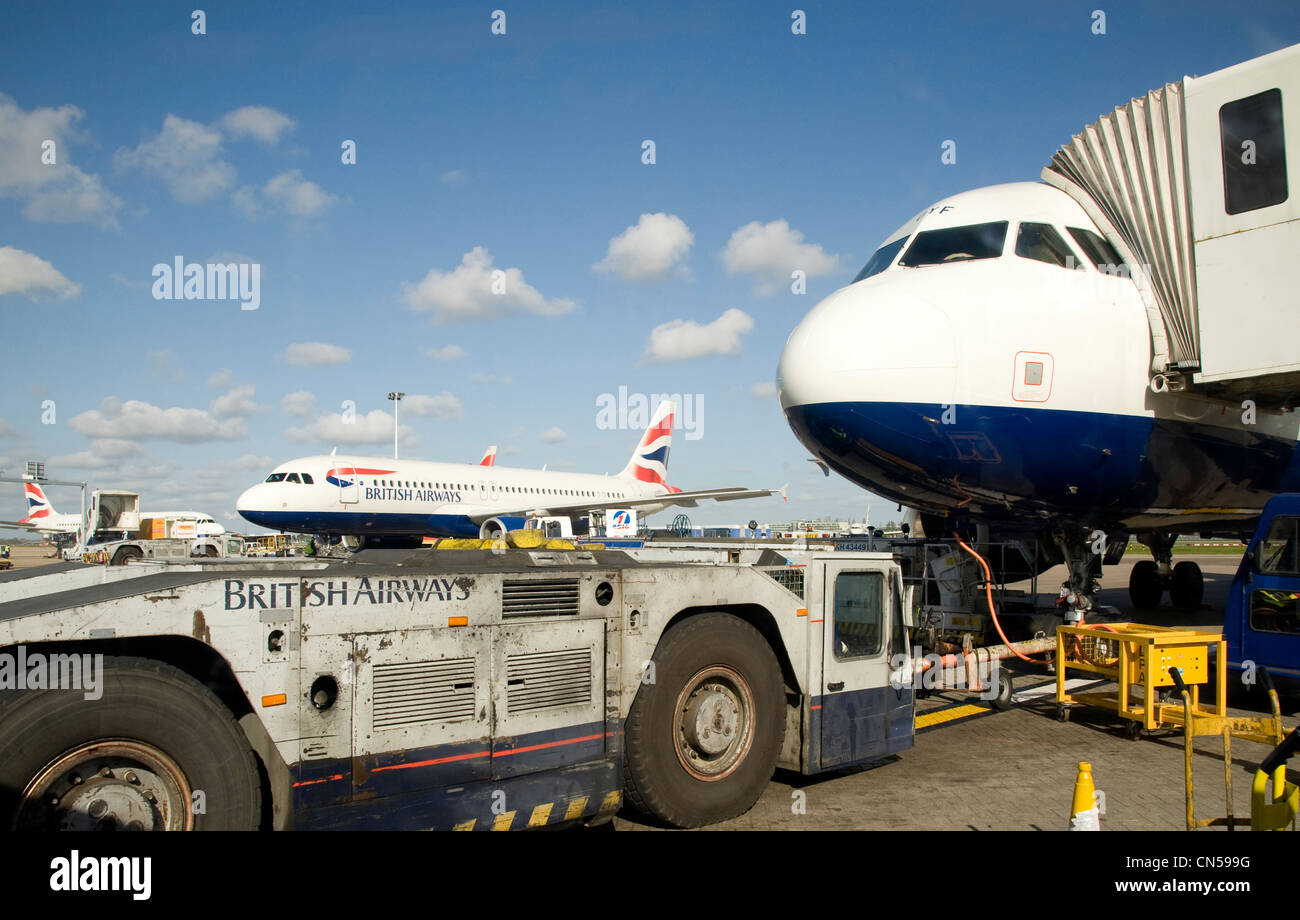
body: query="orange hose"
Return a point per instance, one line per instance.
(988, 592)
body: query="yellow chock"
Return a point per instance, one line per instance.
(1084, 813)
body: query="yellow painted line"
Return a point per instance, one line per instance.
(541, 814)
(503, 822)
(948, 715)
(465, 825)
(576, 808)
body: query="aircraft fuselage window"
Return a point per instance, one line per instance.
(881, 259)
(275, 477)
(1097, 248)
(1042, 243)
(1254, 152)
(956, 244)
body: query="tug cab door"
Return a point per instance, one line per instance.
(864, 714)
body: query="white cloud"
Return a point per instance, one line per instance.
(682, 339)
(467, 292)
(444, 405)
(375, 427)
(23, 273)
(302, 403)
(479, 377)
(454, 177)
(235, 403)
(554, 435)
(222, 378)
(649, 250)
(316, 354)
(770, 252)
(186, 156)
(257, 121)
(58, 192)
(6, 430)
(136, 419)
(287, 193)
(165, 365)
(446, 353)
(765, 390)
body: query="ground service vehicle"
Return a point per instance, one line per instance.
(1262, 618)
(445, 688)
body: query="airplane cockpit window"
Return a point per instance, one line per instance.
(1042, 243)
(1097, 248)
(306, 477)
(275, 477)
(292, 477)
(881, 260)
(956, 244)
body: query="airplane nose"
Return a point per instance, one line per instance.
(869, 341)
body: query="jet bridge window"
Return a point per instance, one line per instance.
(859, 614)
(1042, 243)
(956, 244)
(1254, 152)
(881, 260)
(1097, 248)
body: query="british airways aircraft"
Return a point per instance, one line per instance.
(361, 497)
(1108, 353)
(41, 516)
(985, 363)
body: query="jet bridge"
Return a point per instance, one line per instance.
(1191, 185)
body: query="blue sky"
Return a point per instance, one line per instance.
(477, 152)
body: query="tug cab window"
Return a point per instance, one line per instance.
(881, 260)
(1042, 243)
(1254, 152)
(1097, 248)
(1279, 551)
(956, 244)
(859, 614)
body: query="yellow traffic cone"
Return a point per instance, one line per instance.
(1084, 814)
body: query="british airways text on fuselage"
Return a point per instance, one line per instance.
(383, 493)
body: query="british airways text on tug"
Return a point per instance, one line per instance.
(1111, 350)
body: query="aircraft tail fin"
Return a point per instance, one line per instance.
(38, 506)
(649, 461)
(489, 457)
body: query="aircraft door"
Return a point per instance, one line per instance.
(863, 716)
(349, 490)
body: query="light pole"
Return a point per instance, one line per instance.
(396, 398)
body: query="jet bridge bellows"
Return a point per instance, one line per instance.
(1191, 184)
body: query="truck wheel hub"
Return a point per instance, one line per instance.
(108, 785)
(715, 723)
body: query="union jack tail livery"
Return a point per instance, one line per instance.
(490, 457)
(649, 461)
(38, 506)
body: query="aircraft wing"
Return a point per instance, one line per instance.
(682, 499)
(19, 524)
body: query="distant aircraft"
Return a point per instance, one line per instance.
(365, 496)
(41, 516)
(490, 457)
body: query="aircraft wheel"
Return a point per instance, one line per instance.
(1145, 586)
(704, 734)
(354, 543)
(1187, 585)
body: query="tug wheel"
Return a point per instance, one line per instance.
(704, 733)
(136, 757)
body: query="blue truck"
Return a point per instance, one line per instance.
(1262, 619)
